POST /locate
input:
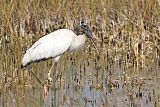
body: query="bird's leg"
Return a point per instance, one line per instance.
(49, 74)
(54, 73)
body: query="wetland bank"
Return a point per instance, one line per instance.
(127, 73)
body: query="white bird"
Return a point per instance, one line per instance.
(56, 43)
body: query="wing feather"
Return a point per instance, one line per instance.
(51, 45)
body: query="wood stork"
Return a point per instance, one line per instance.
(53, 45)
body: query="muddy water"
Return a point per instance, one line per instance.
(90, 83)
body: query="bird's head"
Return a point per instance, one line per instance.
(86, 30)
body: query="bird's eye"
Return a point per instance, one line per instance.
(81, 23)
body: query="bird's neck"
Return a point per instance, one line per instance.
(77, 42)
(81, 39)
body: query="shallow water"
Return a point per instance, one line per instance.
(87, 84)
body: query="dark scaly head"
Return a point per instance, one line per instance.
(84, 28)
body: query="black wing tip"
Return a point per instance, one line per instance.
(22, 66)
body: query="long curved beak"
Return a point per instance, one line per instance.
(90, 36)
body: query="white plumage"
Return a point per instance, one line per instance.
(53, 45)
(56, 43)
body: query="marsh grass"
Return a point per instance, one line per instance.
(126, 31)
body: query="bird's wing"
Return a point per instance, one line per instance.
(51, 45)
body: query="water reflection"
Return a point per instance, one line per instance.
(110, 86)
(115, 92)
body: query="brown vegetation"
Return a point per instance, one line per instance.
(127, 31)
